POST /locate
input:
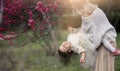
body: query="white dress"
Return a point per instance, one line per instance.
(80, 43)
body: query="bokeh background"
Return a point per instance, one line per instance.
(43, 56)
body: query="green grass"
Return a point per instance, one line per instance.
(33, 57)
(117, 60)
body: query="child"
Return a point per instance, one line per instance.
(78, 42)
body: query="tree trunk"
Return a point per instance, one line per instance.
(54, 41)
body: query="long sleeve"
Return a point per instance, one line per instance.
(78, 49)
(107, 45)
(96, 26)
(75, 43)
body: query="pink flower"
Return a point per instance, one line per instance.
(30, 14)
(22, 17)
(39, 7)
(12, 33)
(31, 23)
(46, 9)
(1, 35)
(54, 7)
(36, 7)
(39, 4)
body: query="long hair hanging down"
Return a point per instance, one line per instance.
(82, 6)
(65, 58)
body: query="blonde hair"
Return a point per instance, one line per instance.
(81, 6)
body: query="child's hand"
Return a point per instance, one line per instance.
(82, 60)
(71, 29)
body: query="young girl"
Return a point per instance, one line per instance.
(78, 42)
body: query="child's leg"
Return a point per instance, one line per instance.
(107, 44)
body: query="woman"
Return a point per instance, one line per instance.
(96, 25)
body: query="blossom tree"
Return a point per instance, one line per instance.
(19, 18)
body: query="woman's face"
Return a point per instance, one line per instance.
(65, 47)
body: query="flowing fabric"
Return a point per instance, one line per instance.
(97, 27)
(105, 60)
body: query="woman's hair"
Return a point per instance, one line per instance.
(65, 57)
(81, 6)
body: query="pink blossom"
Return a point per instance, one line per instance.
(12, 11)
(46, 9)
(12, 33)
(22, 17)
(30, 14)
(39, 4)
(1, 35)
(55, 6)
(15, 12)
(31, 23)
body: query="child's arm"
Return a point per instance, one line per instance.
(82, 59)
(76, 45)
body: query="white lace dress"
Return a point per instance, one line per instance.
(80, 43)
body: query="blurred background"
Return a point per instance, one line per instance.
(43, 56)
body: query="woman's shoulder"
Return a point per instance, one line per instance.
(91, 14)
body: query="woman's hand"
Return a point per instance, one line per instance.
(71, 29)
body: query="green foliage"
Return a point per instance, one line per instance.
(118, 40)
(35, 59)
(114, 18)
(117, 60)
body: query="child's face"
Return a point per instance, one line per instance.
(65, 47)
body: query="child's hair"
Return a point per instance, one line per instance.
(65, 57)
